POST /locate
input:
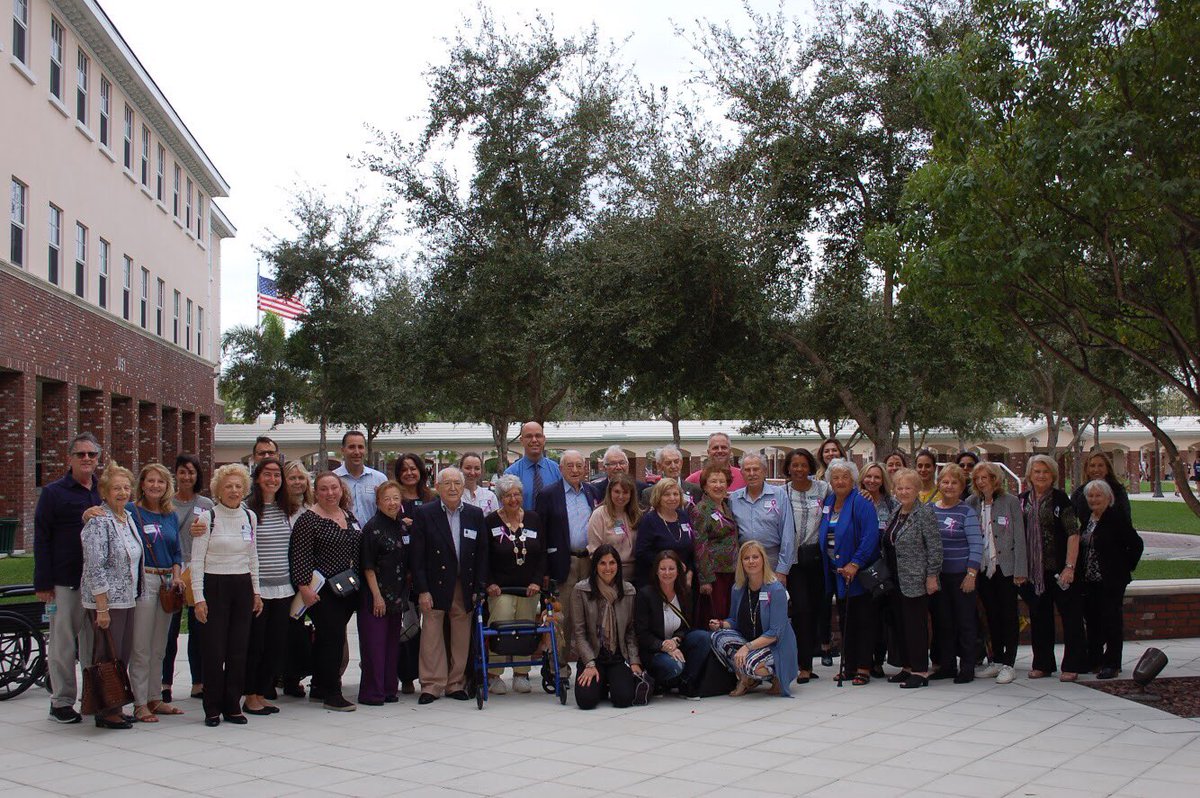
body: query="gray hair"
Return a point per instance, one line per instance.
(1045, 460)
(670, 447)
(748, 456)
(839, 464)
(507, 484)
(614, 449)
(450, 471)
(571, 453)
(1103, 487)
(724, 435)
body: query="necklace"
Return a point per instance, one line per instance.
(520, 550)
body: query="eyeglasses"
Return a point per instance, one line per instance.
(86, 455)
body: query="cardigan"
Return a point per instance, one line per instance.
(856, 541)
(112, 561)
(1117, 545)
(654, 535)
(918, 549)
(776, 624)
(585, 616)
(1008, 530)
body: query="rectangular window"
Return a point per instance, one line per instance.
(175, 320)
(199, 216)
(178, 188)
(54, 249)
(188, 325)
(128, 160)
(16, 246)
(199, 330)
(160, 180)
(187, 221)
(126, 282)
(20, 41)
(102, 293)
(56, 58)
(105, 109)
(145, 296)
(145, 156)
(81, 242)
(160, 299)
(81, 88)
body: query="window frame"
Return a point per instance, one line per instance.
(175, 318)
(144, 306)
(127, 150)
(199, 330)
(188, 326)
(81, 248)
(159, 309)
(126, 287)
(54, 245)
(18, 221)
(105, 111)
(178, 184)
(160, 185)
(20, 37)
(102, 273)
(187, 216)
(83, 66)
(57, 37)
(145, 175)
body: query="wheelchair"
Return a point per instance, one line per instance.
(22, 643)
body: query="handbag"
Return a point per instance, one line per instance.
(877, 578)
(169, 598)
(410, 623)
(643, 689)
(185, 581)
(106, 683)
(345, 583)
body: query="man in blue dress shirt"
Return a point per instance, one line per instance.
(764, 513)
(535, 470)
(361, 479)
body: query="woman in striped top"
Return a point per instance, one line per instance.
(273, 506)
(954, 604)
(811, 605)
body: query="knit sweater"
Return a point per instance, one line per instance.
(962, 540)
(226, 547)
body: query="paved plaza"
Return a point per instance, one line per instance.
(1030, 738)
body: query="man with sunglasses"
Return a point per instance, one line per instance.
(58, 567)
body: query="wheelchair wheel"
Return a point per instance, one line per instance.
(22, 655)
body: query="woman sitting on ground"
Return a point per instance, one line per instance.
(605, 639)
(671, 648)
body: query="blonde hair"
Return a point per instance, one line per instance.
(225, 472)
(955, 472)
(908, 474)
(885, 488)
(310, 498)
(1045, 460)
(111, 472)
(660, 489)
(164, 504)
(992, 470)
(739, 575)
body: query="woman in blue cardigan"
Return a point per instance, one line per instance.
(756, 641)
(849, 538)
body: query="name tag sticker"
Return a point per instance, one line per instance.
(246, 532)
(1002, 520)
(197, 511)
(497, 531)
(153, 530)
(814, 503)
(405, 539)
(764, 597)
(824, 511)
(619, 529)
(716, 517)
(469, 534)
(686, 528)
(532, 535)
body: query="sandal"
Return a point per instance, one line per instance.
(163, 708)
(743, 687)
(774, 688)
(860, 679)
(1038, 674)
(144, 715)
(1067, 676)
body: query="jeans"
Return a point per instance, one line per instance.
(670, 672)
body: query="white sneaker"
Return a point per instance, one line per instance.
(1006, 675)
(497, 686)
(521, 684)
(988, 671)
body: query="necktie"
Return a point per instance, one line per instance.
(537, 478)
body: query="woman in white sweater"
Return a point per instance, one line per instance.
(225, 584)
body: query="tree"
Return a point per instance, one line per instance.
(830, 133)
(538, 114)
(331, 256)
(1065, 184)
(258, 378)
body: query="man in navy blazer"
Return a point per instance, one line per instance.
(449, 559)
(565, 508)
(616, 462)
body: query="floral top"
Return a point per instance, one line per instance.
(716, 536)
(385, 551)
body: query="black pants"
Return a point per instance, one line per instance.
(226, 637)
(999, 596)
(330, 616)
(859, 618)
(1103, 610)
(911, 632)
(806, 586)
(954, 612)
(616, 681)
(268, 641)
(195, 631)
(1041, 620)
(409, 664)
(298, 662)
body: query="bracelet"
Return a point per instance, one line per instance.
(1071, 567)
(102, 611)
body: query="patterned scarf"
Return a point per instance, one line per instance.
(1033, 539)
(606, 624)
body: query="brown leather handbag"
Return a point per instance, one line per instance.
(171, 599)
(106, 683)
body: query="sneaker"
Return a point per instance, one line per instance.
(65, 715)
(990, 671)
(497, 686)
(1006, 675)
(521, 684)
(338, 703)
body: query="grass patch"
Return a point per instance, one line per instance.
(1164, 517)
(16, 570)
(1168, 569)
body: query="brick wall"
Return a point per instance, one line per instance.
(78, 367)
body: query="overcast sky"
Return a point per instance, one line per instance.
(278, 92)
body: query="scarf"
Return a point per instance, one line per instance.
(606, 625)
(990, 558)
(1033, 540)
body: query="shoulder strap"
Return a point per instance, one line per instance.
(141, 525)
(675, 610)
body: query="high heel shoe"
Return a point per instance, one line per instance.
(914, 681)
(109, 723)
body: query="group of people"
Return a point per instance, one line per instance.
(663, 585)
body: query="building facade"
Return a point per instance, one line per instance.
(110, 268)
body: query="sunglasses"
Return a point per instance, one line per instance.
(85, 455)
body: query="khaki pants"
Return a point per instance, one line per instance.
(510, 608)
(150, 625)
(443, 663)
(564, 625)
(68, 625)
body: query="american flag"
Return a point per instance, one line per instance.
(270, 301)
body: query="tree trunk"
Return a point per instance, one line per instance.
(322, 463)
(500, 438)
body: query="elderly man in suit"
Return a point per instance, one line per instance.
(615, 462)
(670, 464)
(565, 508)
(448, 561)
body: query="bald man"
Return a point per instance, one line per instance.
(534, 469)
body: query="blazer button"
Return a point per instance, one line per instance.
(443, 567)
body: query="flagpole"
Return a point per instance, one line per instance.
(257, 291)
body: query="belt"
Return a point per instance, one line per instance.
(159, 571)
